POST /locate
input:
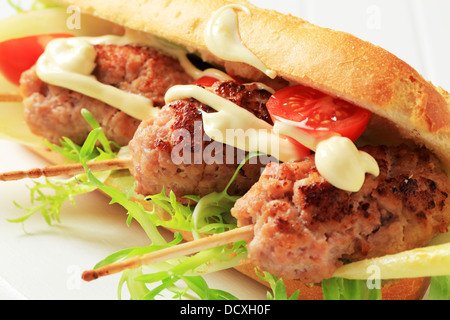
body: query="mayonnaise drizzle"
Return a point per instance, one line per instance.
(69, 62)
(343, 165)
(337, 159)
(223, 39)
(235, 126)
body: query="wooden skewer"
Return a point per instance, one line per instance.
(10, 97)
(67, 169)
(185, 249)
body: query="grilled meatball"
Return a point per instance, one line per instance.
(305, 228)
(54, 112)
(157, 148)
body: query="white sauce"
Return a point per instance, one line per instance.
(223, 40)
(69, 62)
(235, 126)
(337, 158)
(343, 165)
(290, 130)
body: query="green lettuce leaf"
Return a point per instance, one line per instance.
(49, 196)
(439, 288)
(278, 287)
(345, 289)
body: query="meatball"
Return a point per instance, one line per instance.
(305, 228)
(54, 112)
(156, 148)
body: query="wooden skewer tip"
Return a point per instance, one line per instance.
(185, 249)
(67, 169)
(10, 97)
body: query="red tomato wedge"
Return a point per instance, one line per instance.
(208, 81)
(205, 81)
(318, 113)
(19, 55)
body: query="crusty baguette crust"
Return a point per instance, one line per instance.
(334, 62)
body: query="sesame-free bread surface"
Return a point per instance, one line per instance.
(334, 62)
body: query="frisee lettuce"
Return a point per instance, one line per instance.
(345, 289)
(217, 205)
(187, 270)
(184, 270)
(439, 288)
(278, 287)
(183, 276)
(48, 197)
(49, 205)
(172, 271)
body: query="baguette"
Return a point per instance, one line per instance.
(404, 105)
(334, 62)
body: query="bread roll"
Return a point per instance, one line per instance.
(334, 62)
(403, 103)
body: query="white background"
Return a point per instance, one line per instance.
(45, 262)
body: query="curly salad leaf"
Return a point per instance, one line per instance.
(49, 196)
(277, 286)
(211, 213)
(169, 275)
(180, 277)
(440, 288)
(345, 289)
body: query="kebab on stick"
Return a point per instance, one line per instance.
(185, 249)
(391, 178)
(66, 169)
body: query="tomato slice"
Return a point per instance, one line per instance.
(205, 81)
(208, 81)
(19, 55)
(318, 113)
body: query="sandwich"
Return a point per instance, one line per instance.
(331, 149)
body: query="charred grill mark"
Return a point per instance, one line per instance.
(251, 100)
(364, 207)
(283, 225)
(432, 185)
(408, 186)
(188, 112)
(421, 215)
(442, 203)
(334, 204)
(162, 145)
